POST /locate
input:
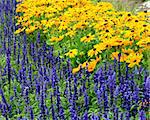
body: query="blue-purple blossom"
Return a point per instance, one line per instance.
(142, 115)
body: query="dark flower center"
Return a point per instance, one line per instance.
(88, 36)
(129, 15)
(127, 53)
(94, 49)
(107, 30)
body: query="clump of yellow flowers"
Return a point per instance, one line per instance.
(87, 30)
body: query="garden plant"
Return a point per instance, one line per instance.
(73, 60)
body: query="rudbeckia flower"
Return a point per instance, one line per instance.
(92, 65)
(72, 53)
(19, 31)
(57, 39)
(114, 55)
(92, 52)
(87, 38)
(100, 47)
(126, 53)
(144, 43)
(85, 64)
(134, 59)
(75, 70)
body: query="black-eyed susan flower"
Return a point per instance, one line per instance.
(72, 53)
(87, 38)
(85, 64)
(57, 39)
(114, 55)
(71, 32)
(30, 29)
(127, 34)
(92, 65)
(92, 52)
(100, 47)
(125, 54)
(75, 70)
(134, 59)
(144, 42)
(19, 30)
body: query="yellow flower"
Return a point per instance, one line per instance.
(127, 34)
(87, 38)
(57, 39)
(63, 26)
(75, 70)
(98, 58)
(126, 53)
(85, 64)
(107, 32)
(19, 31)
(127, 42)
(72, 53)
(114, 55)
(71, 32)
(144, 43)
(80, 25)
(30, 29)
(116, 41)
(60, 38)
(92, 65)
(92, 52)
(53, 39)
(100, 47)
(134, 59)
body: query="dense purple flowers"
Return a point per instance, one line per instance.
(70, 95)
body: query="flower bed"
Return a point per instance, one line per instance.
(39, 83)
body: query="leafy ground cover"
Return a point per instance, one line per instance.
(39, 82)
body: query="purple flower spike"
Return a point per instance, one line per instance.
(52, 108)
(5, 106)
(86, 100)
(85, 116)
(15, 46)
(31, 114)
(147, 83)
(38, 37)
(121, 116)
(94, 117)
(127, 116)
(26, 97)
(8, 68)
(116, 114)
(142, 115)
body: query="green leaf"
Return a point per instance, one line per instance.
(48, 42)
(2, 118)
